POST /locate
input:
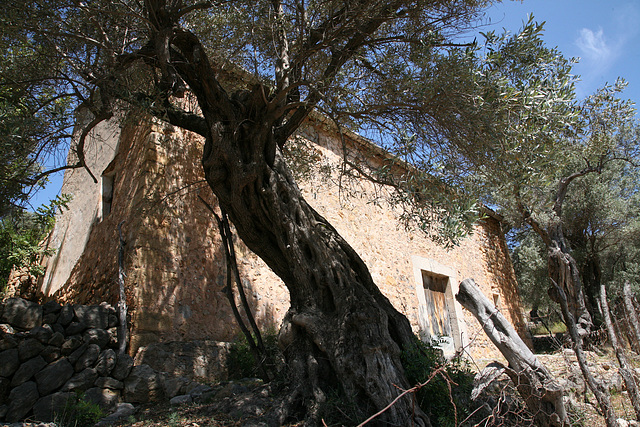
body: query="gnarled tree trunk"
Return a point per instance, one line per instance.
(340, 331)
(563, 270)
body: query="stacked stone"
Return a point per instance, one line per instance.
(49, 352)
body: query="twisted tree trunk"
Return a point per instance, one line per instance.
(563, 270)
(340, 331)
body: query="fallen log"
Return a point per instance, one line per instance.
(539, 390)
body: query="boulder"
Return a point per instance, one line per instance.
(143, 385)
(27, 370)
(175, 386)
(29, 348)
(77, 353)
(41, 333)
(88, 358)
(70, 345)
(57, 327)
(21, 400)
(50, 318)
(97, 336)
(81, 381)
(94, 316)
(51, 307)
(123, 411)
(183, 399)
(21, 313)
(106, 398)
(113, 337)
(66, 315)
(51, 353)
(57, 339)
(9, 362)
(113, 320)
(110, 383)
(7, 328)
(54, 376)
(5, 388)
(106, 362)
(75, 328)
(47, 407)
(202, 393)
(7, 341)
(123, 367)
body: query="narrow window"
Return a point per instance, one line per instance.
(496, 300)
(107, 194)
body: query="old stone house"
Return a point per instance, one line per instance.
(149, 178)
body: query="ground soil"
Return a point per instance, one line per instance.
(245, 410)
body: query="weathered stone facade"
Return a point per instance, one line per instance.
(174, 262)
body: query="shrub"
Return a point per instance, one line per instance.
(79, 413)
(241, 362)
(446, 398)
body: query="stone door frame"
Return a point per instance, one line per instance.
(456, 317)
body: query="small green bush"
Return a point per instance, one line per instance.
(79, 413)
(241, 363)
(556, 328)
(435, 398)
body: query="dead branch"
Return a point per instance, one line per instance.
(541, 393)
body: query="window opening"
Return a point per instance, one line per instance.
(496, 300)
(107, 194)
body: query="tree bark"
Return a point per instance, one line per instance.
(625, 370)
(563, 270)
(541, 393)
(340, 331)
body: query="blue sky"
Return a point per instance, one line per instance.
(604, 34)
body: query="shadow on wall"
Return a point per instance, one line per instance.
(174, 260)
(178, 263)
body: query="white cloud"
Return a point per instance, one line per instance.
(593, 46)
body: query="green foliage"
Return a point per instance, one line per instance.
(35, 120)
(554, 328)
(529, 257)
(175, 420)
(446, 396)
(241, 362)
(21, 235)
(79, 413)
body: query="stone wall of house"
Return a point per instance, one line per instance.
(176, 270)
(49, 352)
(73, 229)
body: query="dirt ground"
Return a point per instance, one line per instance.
(245, 410)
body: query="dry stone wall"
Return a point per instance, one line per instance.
(49, 353)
